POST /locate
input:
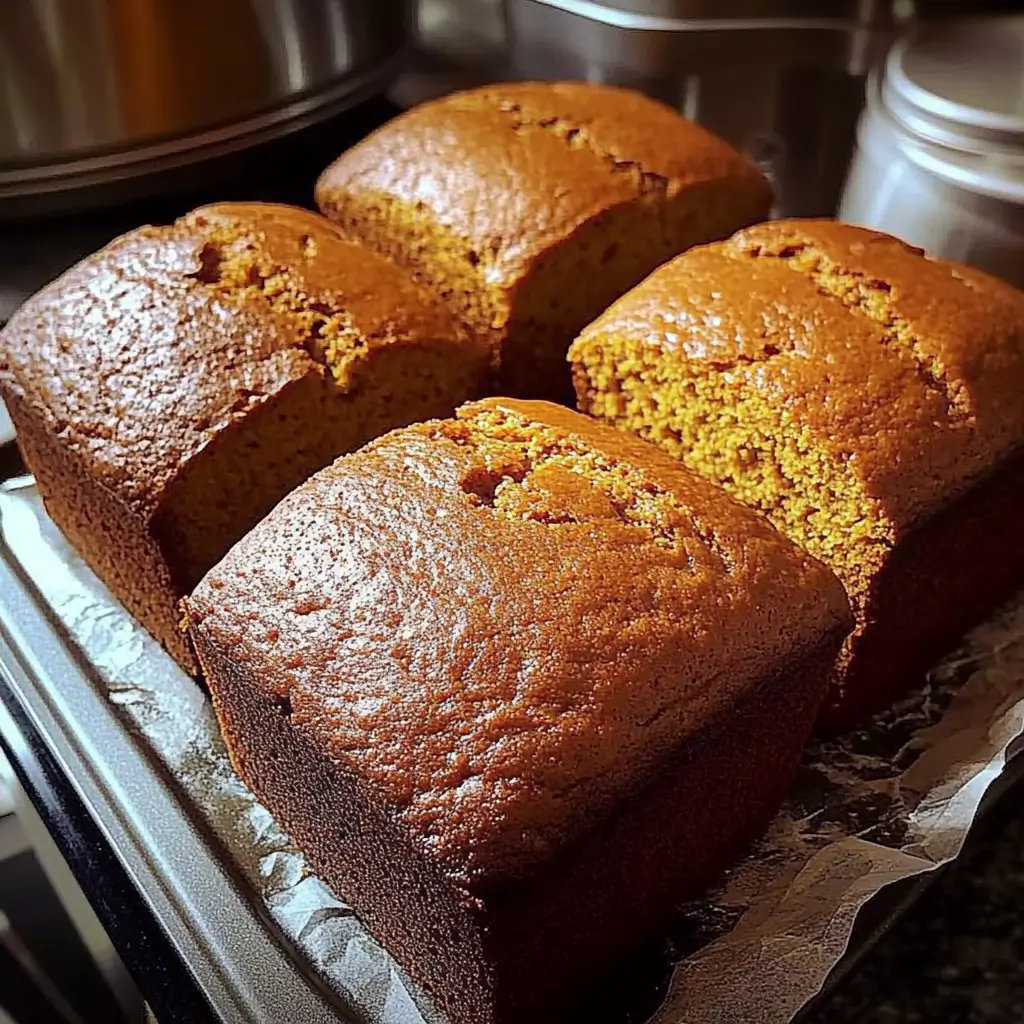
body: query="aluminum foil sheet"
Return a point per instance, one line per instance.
(886, 803)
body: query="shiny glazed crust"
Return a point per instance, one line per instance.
(168, 390)
(477, 666)
(532, 206)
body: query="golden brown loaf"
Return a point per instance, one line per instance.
(515, 682)
(168, 390)
(532, 206)
(856, 392)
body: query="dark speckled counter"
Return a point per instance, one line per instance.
(957, 957)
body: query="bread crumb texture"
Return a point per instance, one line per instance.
(504, 623)
(535, 473)
(530, 207)
(309, 278)
(139, 355)
(238, 269)
(834, 378)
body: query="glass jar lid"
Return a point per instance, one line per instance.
(960, 84)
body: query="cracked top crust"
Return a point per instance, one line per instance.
(140, 354)
(505, 623)
(546, 156)
(908, 368)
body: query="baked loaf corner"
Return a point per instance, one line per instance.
(515, 682)
(169, 389)
(532, 206)
(865, 397)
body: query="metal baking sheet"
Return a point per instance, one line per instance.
(245, 972)
(268, 942)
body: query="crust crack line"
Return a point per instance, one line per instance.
(521, 477)
(577, 136)
(871, 297)
(237, 267)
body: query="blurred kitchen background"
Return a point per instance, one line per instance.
(108, 107)
(907, 115)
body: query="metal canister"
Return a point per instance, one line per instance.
(940, 145)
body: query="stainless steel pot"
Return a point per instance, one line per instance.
(94, 91)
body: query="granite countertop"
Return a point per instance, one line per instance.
(957, 956)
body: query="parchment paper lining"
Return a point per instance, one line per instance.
(883, 804)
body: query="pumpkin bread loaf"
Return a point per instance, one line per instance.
(532, 206)
(170, 389)
(515, 682)
(866, 398)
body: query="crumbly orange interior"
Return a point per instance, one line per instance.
(533, 472)
(719, 422)
(236, 265)
(536, 309)
(237, 481)
(411, 235)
